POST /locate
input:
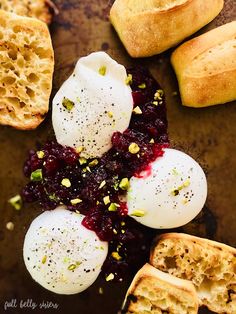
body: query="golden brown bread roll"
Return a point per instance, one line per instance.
(39, 9)
(206, 67)
(149, 27)
(155, 292)
(208, 264)
(27, 64)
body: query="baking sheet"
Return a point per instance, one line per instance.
(206, 134)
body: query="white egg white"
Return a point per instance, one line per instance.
(62, 255)
(172, 195)
(102, 104)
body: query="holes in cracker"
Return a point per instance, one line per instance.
(22, 104)
(8, 66)
(12, 54)
(8, 80)
(33, 78)
(3, 22)
(27, 56)
(2, 91)
(14, 101)
(17, 29)
(30, 92)
(21, 62)
(43, 53)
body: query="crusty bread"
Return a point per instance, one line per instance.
(149, 27)
(206, 67)
(155, 292)
(27, 64)
(211, 266)
(39, 9)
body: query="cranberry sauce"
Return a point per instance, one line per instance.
(93, 187)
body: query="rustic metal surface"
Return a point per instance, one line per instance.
(207, 134)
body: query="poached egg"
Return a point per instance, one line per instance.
(172, 195)
(61, 254)
(92, 104)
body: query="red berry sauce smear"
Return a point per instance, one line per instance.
(91, 180)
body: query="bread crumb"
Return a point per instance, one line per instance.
(10, 226)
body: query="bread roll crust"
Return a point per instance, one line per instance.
(149, 27)
(206, 67)
(208, 264)
(27, 64)
(150, 287)
(39, 9)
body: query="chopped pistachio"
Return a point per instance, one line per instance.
(116, 256)
(110, 114)
(186, 183)
(10, 226)
(155, 103)
(40, 154)
(122, 231)
(102, 70)
(76, 201)
(103, 183)
(115, 231)
(93, 163)
(142, 86)
(116, 184)
(44, 259)
(134, 148)
(36, 175)
(110, 277)
(100, 290)
(113, 207)
(72, 267)
(106, 200)
(77, 212)
(185, 201)
(78, 99)
(175, 172)
(122, 223)
(53, 197)
(175, 93)
(79, 149)
(137, 110)
(124, 184)
(66, 182)
(82, 161)
(68, 104)
(159, 94)
(88, 169)
(129, 79)
(138, 213)
(152, 141)
(78, 263)
(16, 202)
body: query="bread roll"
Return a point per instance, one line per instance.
(149, 27)
(155, 292)
(34, 8)
(211, 266)
(27, 64)
(206, 67)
